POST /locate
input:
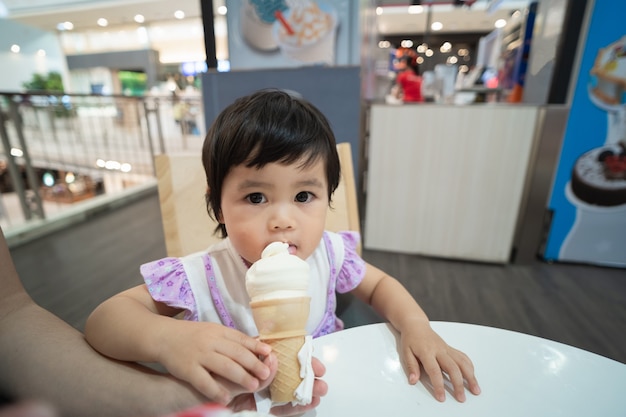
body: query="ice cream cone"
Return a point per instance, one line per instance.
(287, 377)
(281, 324)
(281, 317)
(278, 288)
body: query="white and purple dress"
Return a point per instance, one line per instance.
(210, 285)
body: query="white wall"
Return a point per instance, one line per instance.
(17, 68)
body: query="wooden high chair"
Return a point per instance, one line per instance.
(186, 223)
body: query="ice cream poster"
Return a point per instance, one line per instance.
(288, 33)
(588, 199)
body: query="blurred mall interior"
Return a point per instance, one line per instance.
(92, 90)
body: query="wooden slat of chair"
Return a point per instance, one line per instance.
(186, 224)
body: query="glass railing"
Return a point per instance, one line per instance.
(58, 151)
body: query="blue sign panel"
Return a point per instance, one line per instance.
(589, 191)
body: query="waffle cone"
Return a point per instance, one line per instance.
(288, 375)
(282, 325)
(282, 317)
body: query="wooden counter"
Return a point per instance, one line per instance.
(447, 180)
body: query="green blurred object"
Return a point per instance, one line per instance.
(52, 82)
(133, 83)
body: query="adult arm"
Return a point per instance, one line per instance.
(43, 358)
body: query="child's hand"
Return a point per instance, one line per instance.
(420, 344)
(247, 402)
(217, 361)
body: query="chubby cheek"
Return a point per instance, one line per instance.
(310, 236)
(246, 242)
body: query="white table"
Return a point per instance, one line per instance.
(520, 375)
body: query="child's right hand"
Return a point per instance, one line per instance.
(213, 357)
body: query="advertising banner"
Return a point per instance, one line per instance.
(290, 33)
(588, 197)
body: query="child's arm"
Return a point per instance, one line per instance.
(419, 342)
(131, 326)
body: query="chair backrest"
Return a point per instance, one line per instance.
(186, 223)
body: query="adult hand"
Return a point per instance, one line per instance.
(320, 388)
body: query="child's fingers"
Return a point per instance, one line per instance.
(241, 356)
(250, 343)
(456, 377)
(467, 369)
(412, 366)
(234, 372)
(433, 370)
(202, 380)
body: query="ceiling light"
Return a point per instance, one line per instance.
(416, 9)
(179, 14)
(500, 23)
(139, 18)
(48, 179)
(429, 52)
(15, 48)
(65, 26)
(41, 52)
(379, 11)
(103, 22)
(222, 10)
(436, 26)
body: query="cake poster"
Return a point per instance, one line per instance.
(288, 33)
(588, 198)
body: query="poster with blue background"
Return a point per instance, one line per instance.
(588, 198)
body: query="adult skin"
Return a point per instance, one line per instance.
(45, 359)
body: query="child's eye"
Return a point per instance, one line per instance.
(256, 198)
(304, 197)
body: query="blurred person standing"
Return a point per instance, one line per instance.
(409, 80)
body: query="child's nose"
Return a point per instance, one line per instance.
(281, 218)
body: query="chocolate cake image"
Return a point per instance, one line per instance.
(599, 176)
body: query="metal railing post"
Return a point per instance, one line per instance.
(31, 177)
(147, 112)
(16, 176)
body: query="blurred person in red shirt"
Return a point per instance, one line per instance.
(409, 80)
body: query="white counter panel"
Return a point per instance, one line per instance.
(447, 180)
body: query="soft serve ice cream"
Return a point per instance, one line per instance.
(278, 288)
(278, 274)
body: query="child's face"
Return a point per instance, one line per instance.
(275, 203)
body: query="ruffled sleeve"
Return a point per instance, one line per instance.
(167, 283)
(353, 267)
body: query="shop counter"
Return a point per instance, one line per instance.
(445, 180)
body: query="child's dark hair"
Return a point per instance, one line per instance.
(264, 127)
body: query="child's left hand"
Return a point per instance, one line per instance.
(419, 344)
